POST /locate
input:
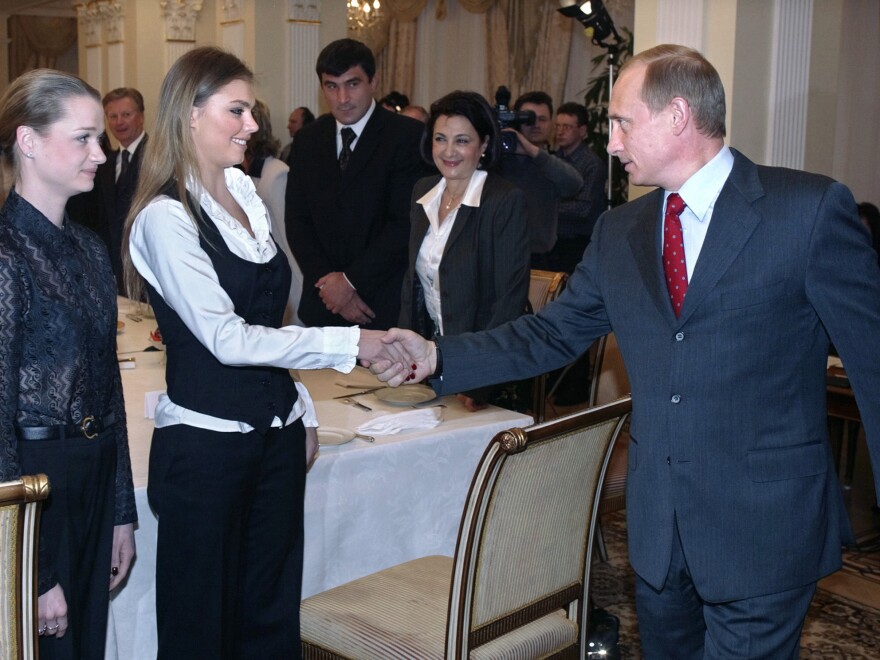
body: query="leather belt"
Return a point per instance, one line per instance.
(89, 428)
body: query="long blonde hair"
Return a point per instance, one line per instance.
(170, 155)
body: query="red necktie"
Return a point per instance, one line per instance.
(674, 265)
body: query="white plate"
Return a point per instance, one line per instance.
(330, 435)
(407, 395)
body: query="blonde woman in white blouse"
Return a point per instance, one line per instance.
(229, 453)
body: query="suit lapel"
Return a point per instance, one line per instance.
(733, 222)
(325, 158)
(461, 220)
(644, 242)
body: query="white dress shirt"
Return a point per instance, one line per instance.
(130, 149)
(357, 127)
(700, 193)
(165, 250)
(434, 244)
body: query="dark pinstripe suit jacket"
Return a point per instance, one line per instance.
(729, 431)
(484, 273)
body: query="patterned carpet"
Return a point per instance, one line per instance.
(836, 627)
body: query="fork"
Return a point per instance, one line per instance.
(356, 404)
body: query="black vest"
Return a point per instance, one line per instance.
(198, 381)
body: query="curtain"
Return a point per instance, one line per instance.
(539, 39)
(527, 44)
(38, 41)
(397, 62)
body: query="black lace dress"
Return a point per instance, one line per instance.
(57, 346)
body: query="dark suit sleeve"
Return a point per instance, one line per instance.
(535, 343)
(386, 253)
(843, 285)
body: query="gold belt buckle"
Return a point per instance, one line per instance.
(84, 427)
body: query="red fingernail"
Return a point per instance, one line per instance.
(413, 367)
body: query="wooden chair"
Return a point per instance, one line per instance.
(544, 287)
(20, 504)
(518, 584)
(611, 382)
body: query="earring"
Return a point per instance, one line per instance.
(30, 154)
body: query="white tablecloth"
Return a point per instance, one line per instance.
(368, 506)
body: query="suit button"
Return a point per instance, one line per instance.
(668, 462)
(676, 398)
(679, 336)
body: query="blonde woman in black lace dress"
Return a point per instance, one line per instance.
(61, 407)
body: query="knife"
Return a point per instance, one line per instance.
(367, 391)
(356, 404)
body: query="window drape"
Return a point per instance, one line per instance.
(38, 41)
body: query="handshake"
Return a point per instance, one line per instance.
(397, 356)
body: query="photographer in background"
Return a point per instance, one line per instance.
(577, 214)
(543, 178)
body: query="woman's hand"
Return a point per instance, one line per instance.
(311, 446)
(470, 404)
(52, 607)
(123, 553)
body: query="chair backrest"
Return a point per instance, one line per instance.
(609, 381)
(526, 537)
(20, 503)
(544, 287)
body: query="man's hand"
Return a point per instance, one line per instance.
(422, 354)
(375, 353)
(335, 291)
(523, 145)
(357, 311)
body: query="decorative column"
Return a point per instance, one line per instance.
(789, 82)
(90, 30)
(232, 27)
(680, 22)
(179, 17)
(113, 17)
(304, 21)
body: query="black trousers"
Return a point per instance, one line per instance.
(230, 544)
(76, 535)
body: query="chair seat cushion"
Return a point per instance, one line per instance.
(396, 613)
(401, 613)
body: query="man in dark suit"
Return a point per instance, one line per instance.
(105, 207)
(734, 508)
(348, 192)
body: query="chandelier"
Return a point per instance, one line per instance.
(363, 14)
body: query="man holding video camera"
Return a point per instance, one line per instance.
(544, 178)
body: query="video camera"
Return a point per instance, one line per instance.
(510, 118)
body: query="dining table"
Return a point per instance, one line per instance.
(368, 504)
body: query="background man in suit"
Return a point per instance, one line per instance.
(104, 208)
(298, 118)
(347, 208)
(577, 214)
(544, 178)
(733, 505)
